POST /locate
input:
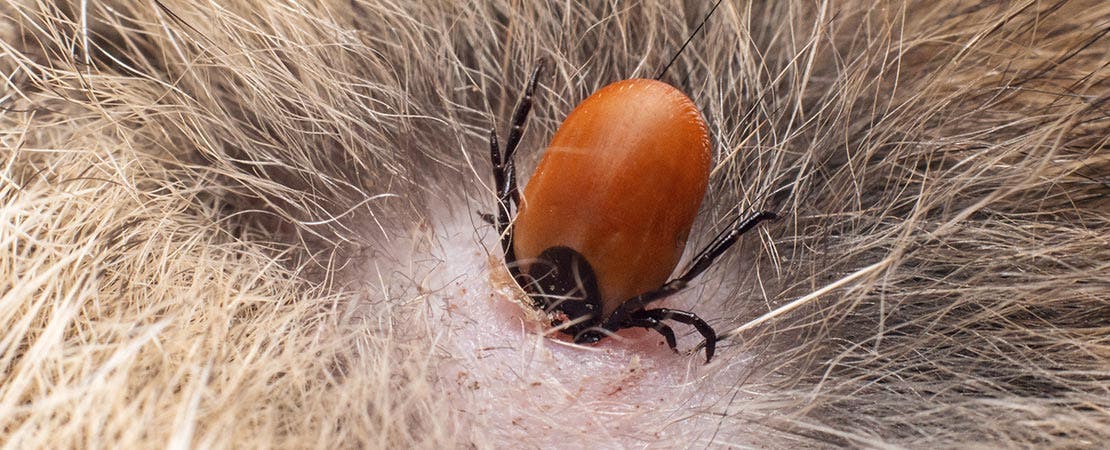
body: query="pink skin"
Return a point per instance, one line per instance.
(514, 381)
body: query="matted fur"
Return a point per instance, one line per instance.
(215, 214)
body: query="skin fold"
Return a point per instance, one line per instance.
(258, 224)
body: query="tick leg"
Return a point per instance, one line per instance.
(504, 169)
(660, 314)
(655, 324)
(633, 309)
(702, 261)
(501, 220)
(721, 243)
(516, 131)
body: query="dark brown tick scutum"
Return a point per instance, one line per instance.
(563, 283)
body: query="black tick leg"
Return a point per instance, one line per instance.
(660, 314)
(701, 262)
(504, 171)
(654, 324)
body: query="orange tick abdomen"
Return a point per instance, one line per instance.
(621, 183)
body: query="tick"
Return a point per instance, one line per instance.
(604, 218)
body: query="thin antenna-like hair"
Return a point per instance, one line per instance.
(688, 39)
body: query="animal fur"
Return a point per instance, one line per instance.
(220, 219)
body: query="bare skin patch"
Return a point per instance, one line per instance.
(518, 381)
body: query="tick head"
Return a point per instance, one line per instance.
(562, 283)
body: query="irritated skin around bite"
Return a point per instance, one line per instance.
(620, 183)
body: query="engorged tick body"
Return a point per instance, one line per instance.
(621, 196)
(605, 217)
